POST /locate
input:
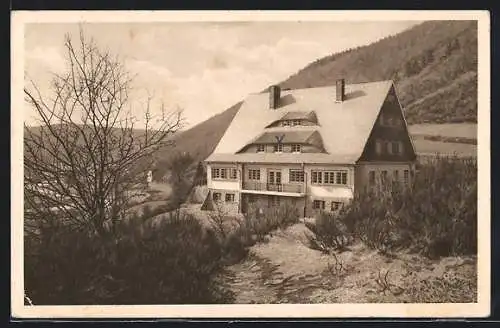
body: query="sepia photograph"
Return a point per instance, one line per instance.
(250, 164)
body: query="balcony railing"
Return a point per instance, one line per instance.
(280, 187)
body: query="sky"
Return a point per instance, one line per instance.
(201, 68)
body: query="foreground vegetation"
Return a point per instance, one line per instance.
(178, 259)
(435, 216)
(172, 262)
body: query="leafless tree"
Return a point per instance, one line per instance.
(86, 159)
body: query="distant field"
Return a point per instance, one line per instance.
(424, 147)
(454, 130)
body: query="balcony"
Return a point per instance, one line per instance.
(273, 188)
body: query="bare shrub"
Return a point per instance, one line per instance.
(435, 216)
(172, 263)
(260, 222)
(338, 268)
(329, 233)
(86, 156)
(221, 221)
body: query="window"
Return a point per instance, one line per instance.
(319, 204)
(261, 148)
(383, 176)
(285, 123)
(343, 178)
(378, 147)
(406, 176)
(395, 175)
(335, 206)
(216, 196)
(230, 198)
(389, 147)
(316, 177)
(296, 148)
(278, 148)
(296, 176)
(394, 147)
(371, 178)
(224, 173)
(296, 122)
(253, 174)
(329, 177)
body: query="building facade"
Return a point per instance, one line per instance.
(311, 148)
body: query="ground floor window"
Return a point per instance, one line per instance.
(383, 176)
(318, 204)
(371, 178)
(336, 206)
(229, 197)
(395, 175)
(216, 196)
(406, 176)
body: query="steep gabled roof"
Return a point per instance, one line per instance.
(344, 126)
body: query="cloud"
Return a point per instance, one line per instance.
(205, 68)
(47, 57)
(230, 72)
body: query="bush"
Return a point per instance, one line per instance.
(329, 233)
(435, 216)
(172, 263)
(260, 222)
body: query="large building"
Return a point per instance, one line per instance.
(311, 148)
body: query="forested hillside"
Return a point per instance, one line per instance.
(434, 66)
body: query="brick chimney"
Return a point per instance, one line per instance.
(340, 92)
(274, 96)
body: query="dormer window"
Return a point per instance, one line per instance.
(296, 148)
(278, 148)
(261, 148)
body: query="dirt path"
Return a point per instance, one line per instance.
(285, 270)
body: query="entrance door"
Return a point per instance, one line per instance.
(274, 180)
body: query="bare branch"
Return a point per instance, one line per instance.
(87, 159)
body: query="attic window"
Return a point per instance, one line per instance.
(285, 123)
(278, 148)
(295, 122)
(261, 148)
(296, 148)
(378, 147)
